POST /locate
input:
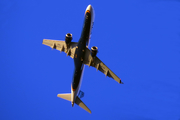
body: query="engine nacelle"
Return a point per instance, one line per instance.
(94, 51)
(68, 38)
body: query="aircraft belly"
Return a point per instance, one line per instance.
(79, 66)
(79, 86)
(79, 56)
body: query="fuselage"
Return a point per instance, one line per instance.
(80, 52)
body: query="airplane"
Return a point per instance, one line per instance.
(82, 56)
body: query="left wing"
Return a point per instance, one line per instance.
(61, 46)
(99, 65)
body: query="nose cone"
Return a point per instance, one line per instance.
(91, 10)
(89, 7)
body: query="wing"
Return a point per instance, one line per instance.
(61, 46)
(99, 65)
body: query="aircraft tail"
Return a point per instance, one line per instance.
(66, 96)
(81, 104)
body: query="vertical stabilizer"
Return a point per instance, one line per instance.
(66, 96)
(82, 105)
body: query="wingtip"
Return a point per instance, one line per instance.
(121, 82)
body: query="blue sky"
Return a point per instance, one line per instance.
(138, 40)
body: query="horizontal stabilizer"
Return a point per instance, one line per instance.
(82, 105)
(66, 96)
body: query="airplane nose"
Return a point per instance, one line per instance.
(89, 7)
(91, 10)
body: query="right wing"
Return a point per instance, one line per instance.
(61, 46)
(99, 65)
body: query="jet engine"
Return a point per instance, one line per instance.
(68, 38)
(94, 51)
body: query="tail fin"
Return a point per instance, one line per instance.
(66, 96)
(81, 104)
